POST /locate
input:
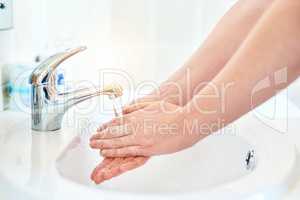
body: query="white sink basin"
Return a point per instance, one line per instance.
(216, 161)
(213, 169)
(58, 165)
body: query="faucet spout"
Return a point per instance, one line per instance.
(75, 97)
(48, 104)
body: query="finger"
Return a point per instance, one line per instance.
(111, 167)
(114, 143)
(127, 164)
(124, 152)
(112, 132)
(114, 169)
(107, 175)
(134, 107)
(121, 167)
(102, 165)
(113, 122)
(133, 164)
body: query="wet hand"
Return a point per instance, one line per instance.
(112, 167)
(153, 129)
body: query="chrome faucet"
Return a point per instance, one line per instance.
(48, 104)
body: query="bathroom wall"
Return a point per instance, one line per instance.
(149, 39)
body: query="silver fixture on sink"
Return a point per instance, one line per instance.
(48, 105)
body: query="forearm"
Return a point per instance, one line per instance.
(267, 61)
(215, 52)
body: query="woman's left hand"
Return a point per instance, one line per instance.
(112, 167)
(156, 128)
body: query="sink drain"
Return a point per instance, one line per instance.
(250, 160)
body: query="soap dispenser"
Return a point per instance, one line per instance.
(1, 91)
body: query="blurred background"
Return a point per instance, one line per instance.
(149, 39)
(145, 40)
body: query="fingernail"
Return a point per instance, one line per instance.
(103, 152)
(99, 180)
(92, 143)
(92, 137)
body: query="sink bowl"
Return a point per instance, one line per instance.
(217, 168)
(178, 173)
(57, 165)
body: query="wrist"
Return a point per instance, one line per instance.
(168, 93)
(162, 95)
(195, 124)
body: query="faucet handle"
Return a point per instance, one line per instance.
(44, 73)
